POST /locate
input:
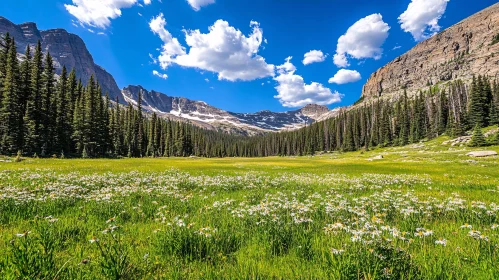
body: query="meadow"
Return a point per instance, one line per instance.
(424, 211)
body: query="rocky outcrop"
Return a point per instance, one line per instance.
(66, 49)
(482, 154)
(455, 53)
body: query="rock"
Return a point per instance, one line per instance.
(378, 157)
(482, 154)
(458, 52)
(66, 49)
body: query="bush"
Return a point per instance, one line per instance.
(495, 40)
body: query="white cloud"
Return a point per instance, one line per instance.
(344, 76)
(293, 92)
(421, 18)
(362, 40)
(223, 50)
(207, 80)
(313, 56)
(171, 47)
(157, 74)
(99, 13)
(197, 4)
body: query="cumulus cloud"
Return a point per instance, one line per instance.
(362, 40)
(157, 74)
(344, 76)
(293, 92)
(99, 13)
(224, 50)
(171, 47)
(421, 18)
(197, 4)
(313, 56)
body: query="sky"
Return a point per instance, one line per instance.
(247, 56)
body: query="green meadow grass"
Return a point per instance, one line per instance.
(424, 211)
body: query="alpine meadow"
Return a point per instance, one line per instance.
(389, 169)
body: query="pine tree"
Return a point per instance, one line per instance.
(477, 139)
(476, 112)
(404, 122)
(10, 113)
(24, 95)
(33, 114)
(62, 125)
(48, 110)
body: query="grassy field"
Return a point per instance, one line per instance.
(424, 211)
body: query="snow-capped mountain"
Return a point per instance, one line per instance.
(203, 114)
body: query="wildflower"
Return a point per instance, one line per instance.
(337, 251)
(468, 226)
(93, 240)
(494, 226)
(355, 238)
(23, 234)
(111, 220)
(441, 241)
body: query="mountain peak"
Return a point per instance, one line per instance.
(66, 49)
(314, 111)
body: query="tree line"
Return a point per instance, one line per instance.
(42, 114)
(452, 109)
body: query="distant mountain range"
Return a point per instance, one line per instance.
(70, 50)
(202, 114)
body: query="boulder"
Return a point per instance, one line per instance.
(376, 158)
(482, 154)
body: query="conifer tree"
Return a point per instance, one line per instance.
(404, 122)
(33, 114)
(24, 94)
(62, 125)
(10, 113)
(47, 130)
(477, 139)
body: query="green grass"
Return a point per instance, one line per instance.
(333, 216)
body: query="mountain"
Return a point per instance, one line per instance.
(66, 49)
(205, 115)
(70, 50)
(458, 52)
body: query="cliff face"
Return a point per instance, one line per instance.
(66, 49)
(455, 53)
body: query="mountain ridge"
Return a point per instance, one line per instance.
(457, 52)
(199, 111)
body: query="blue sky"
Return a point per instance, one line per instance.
(241, 65)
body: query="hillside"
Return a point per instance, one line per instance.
(458, 52)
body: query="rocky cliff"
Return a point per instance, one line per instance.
(458, 52)
(66, 49)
